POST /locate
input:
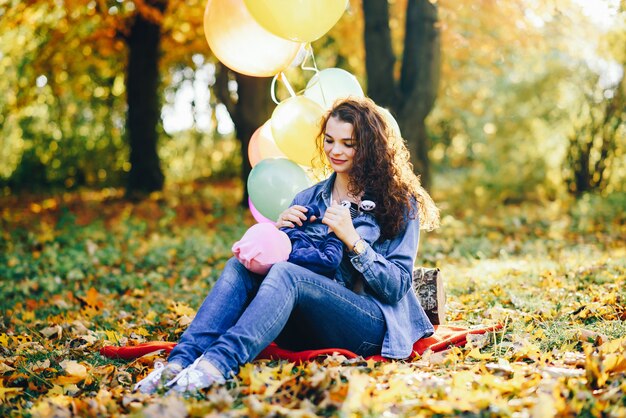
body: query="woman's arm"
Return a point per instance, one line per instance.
(389, 277)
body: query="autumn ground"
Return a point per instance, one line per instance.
(85, 269)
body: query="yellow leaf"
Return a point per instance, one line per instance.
(113, 336)
(75, 372)
(4, 340)
(476, 354)
(28, 316)
(544, 407)
(181, 309)
(371, 363)
(6, 393)
(151, 316)
(357, 398)
(614, 346)
(439, 407)
(19, 339)
(142, 331)
(245, 372)
(55, 391)
(614, 363)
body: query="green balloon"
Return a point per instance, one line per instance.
(273, 183)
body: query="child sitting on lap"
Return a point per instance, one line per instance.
(263, 244)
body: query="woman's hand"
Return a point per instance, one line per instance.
(338, 219)
(292, 216)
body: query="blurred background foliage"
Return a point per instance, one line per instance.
(530, 103)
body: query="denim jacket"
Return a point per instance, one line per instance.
(386, 269)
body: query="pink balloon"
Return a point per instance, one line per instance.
(261, 247)
(257, 215)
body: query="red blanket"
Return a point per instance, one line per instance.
(444, 337)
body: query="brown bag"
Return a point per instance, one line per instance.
(428, 287)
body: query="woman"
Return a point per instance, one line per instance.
(368, 308)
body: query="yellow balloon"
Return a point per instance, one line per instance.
(262, 145)
(297, 20)
(295, 127)
(241, 44)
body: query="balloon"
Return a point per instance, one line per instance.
(262, 145)
(295, 126)
(273, 183)
(392, 123)
(241, 44)
(297, 20)
(331, 84)
(256, 214)
(261, 247)
(315, 174)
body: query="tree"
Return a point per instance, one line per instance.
(412, 95)
(598, 134)
(100, 63)
(142, 96)
(249, 108)
(108, 60)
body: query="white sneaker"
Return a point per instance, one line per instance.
(199, 375)
(158, 377)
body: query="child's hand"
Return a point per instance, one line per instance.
(293, 216)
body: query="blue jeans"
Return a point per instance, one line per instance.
(296, 308)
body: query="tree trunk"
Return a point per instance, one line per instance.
(379, 58)
(144, 112)
(252, 109)
(412, 97)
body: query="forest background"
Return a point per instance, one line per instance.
(515, 115)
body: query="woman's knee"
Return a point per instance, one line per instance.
(286, 275)
(282, 272)
(234, 272)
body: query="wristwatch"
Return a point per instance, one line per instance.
(359, 246)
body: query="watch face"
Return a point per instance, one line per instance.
(359, 247)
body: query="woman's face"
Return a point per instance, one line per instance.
(339, 146)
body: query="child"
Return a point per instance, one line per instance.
(311, 245)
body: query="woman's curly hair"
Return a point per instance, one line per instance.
(382, 166)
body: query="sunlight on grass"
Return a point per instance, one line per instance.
(84, 270)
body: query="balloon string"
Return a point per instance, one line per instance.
(283, 78)
(273, 90)
(309, 53)
(309, 49)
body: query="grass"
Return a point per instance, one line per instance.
(87, 269)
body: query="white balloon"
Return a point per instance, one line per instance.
(331, 84)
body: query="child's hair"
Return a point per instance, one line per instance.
(382, 167)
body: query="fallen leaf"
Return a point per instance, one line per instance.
(53, 331)
(74, 372)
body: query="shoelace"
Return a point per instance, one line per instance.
(187, 373)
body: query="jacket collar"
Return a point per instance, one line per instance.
(325, 189)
